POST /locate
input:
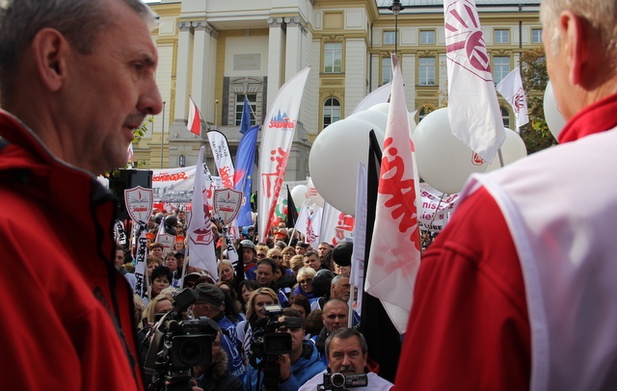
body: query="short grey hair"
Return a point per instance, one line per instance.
(79, 21)
(346, 333)
(600, 14)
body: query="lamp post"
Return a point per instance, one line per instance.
(162, 134)
(396, 8)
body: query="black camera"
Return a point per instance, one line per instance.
(338, 381)
(267, 344)
(178, 345)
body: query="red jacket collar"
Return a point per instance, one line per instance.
(595, 118)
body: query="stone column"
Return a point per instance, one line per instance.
(200, 83)
(275, 56)
(185, 41)
(293, 47)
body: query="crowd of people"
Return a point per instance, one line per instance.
(310, 299)
(518, 291)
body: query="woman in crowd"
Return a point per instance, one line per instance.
(287, 253)
(305, 282)
(301, 304)
(259, 298)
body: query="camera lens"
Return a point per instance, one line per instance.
(190, 351)
(338, 380)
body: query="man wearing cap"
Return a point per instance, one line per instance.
(211, 303)
(249, 253)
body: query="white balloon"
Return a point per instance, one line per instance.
(377, 118)
(313, 194)
(298, 195)
(512, 149)
(385, 108)
(444, 161)
(334, 157)
(554, 118)
(380, 107)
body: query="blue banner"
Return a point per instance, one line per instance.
(245, 159)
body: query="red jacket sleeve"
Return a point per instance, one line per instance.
(468, 329)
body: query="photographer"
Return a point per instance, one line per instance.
(295, 368)
(216, 376)
(347, 352)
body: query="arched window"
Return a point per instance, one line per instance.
(331, 111)
(505, 117)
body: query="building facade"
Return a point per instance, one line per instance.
(219, 52)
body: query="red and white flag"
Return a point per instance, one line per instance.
(511, 88)
(194, 122)
(130, 154)
(336, 226)
(473, 109)
(277, 137)
(222, 157)
(395, 247)
(309, 223)
(200, 238)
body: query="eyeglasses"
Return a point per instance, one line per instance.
(277, 257)
(307, 281)
(261, 255)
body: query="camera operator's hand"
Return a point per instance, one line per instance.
(284, 363)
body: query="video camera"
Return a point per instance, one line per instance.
(178, 345)
(267, 344)
(340, 382)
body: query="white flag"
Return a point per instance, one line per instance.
(200, 237)
(222, 157)
(277, 136)
(359, 245)
(473, 109)
(380, 95)
(511, 88)
(395, 247)
(336, 226)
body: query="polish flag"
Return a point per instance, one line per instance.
(194, 122)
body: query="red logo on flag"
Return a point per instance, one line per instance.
(465, 44)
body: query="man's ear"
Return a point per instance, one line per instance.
(49, 50)
(576, 45)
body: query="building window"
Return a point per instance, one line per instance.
(502, 36)
(501, 67)
(240, 107)
(331, 111)
(426, 71)
(333, 58)
(427, 37)
(536, 35)
(505, 117)
(386, 70)
(389, 37)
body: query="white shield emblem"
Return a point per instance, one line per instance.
(139, 202)
(166, 240)
(227, 204)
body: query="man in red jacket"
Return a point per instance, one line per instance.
(518, 292)
(76, 77)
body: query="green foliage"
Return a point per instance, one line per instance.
(138, 133)
(535, 134)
